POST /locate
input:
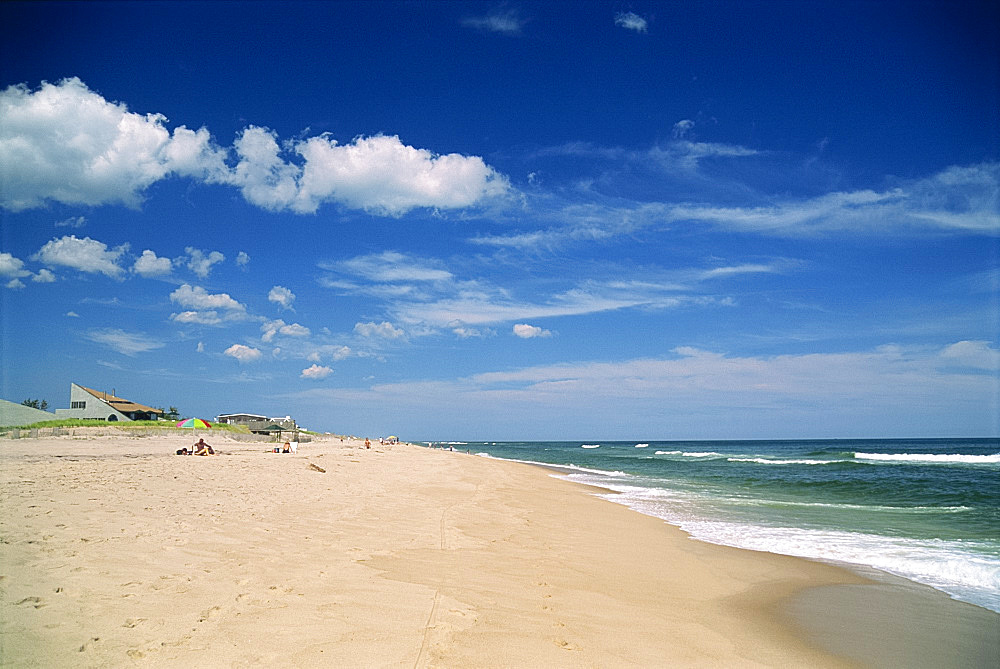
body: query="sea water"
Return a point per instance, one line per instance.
(927, 510)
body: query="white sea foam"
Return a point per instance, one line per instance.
(642, 445)
(766, 461)
(932, 458)
(954, 567)
(590, 445)
(692, 454)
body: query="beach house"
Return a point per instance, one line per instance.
(100, 405)
(259, 424)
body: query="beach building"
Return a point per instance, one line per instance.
(12, 415)
(100, 405)
(259, 424)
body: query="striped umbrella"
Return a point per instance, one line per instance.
(193, 422)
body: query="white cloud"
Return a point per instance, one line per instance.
(975, 354)
(72, 314)
(281, 296)
(382, 175)
(682, 128)
(631, 21)
(264, 177)
(505, 21)
(242, 259)
(201, 263)
(391, 267)
(85, 255)
(271, 328)
(149, 265)
(66, 143)
(72, 222)
(15, 284)
(44, 276)
(243, 353)
(316, 372)
(196, 297)
(197, 317)
(126, 343)
(12, 267)
(383, 330)
(525, 331)
(200, 348)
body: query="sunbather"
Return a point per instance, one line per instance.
(201, 448)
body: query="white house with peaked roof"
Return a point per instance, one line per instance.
(99, 405)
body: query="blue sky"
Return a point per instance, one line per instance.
(508, 220)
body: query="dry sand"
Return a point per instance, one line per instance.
(116, 552)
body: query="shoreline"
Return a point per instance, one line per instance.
(116, 552)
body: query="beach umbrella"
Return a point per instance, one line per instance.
(193, 422)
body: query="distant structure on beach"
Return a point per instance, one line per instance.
(12, 414)
(99, 405)
(259, 424)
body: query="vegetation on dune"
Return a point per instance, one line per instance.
(131, 425)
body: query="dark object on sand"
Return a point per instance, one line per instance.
(319, 469)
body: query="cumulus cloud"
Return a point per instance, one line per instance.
(525, 331)
(383, 330)
(272, 328)
(44, 276)
(631, 21)
(126, 343)
(12, 267)
(242, 259)
(85, 255)
(243, 353)
(149, 265)
(200, 262)
(382, 175)
(14, 284)
(316, 372)
(281, 296)
(197, 297)
(66, 143)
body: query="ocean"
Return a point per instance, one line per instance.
(924, 509)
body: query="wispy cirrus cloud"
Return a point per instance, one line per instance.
(631, 21)
(126, 343)
(501, 20)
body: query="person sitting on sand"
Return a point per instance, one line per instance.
(201, 448)
(287, 448)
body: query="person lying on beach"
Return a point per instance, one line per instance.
(201, 448)
(183, 451)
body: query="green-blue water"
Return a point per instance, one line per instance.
(927, 510)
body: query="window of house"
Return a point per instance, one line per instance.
(77, 405)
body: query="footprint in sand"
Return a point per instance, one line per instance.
(210, 613)
(133, 622)
(31, 601)
(565, 645)
(89, 644)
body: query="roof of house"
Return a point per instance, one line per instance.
(121, 404)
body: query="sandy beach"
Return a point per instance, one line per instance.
(116, 552)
